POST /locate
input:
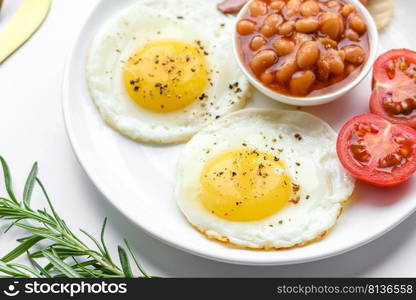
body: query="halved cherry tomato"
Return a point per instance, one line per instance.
(394, 87)
(376, 151)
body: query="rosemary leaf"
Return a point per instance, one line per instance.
(8, 179)
(27, 269)
(38, 267)
(106, 253)
(10, 270)
(60, 265)
(135, 260)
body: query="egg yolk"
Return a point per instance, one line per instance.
(245, 185)
(165, 76)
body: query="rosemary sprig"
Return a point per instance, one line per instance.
(51, 247)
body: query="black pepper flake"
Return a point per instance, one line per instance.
(217, 117)
(233, 174)
(298, 164)
(136, 88)
(276, 158)
(307, 197)
(280, 222)
(298, 137)
(179, 17)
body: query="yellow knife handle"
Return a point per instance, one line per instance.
(29, 16)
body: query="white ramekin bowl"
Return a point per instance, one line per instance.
(325, 98)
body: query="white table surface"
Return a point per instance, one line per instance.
(32, 129)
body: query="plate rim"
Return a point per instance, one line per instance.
(125, 212)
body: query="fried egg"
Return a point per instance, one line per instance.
(263, 179)
(160, 70)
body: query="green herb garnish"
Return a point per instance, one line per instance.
(51, 247)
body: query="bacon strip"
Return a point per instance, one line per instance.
(231, 6)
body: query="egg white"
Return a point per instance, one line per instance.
(152, 20)
(306, 146)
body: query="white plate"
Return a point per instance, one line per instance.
(138, 179)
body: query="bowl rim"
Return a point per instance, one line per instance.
(320, 99)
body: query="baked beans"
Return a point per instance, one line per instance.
(303, 47)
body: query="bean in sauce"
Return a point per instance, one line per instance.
(303, 47)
